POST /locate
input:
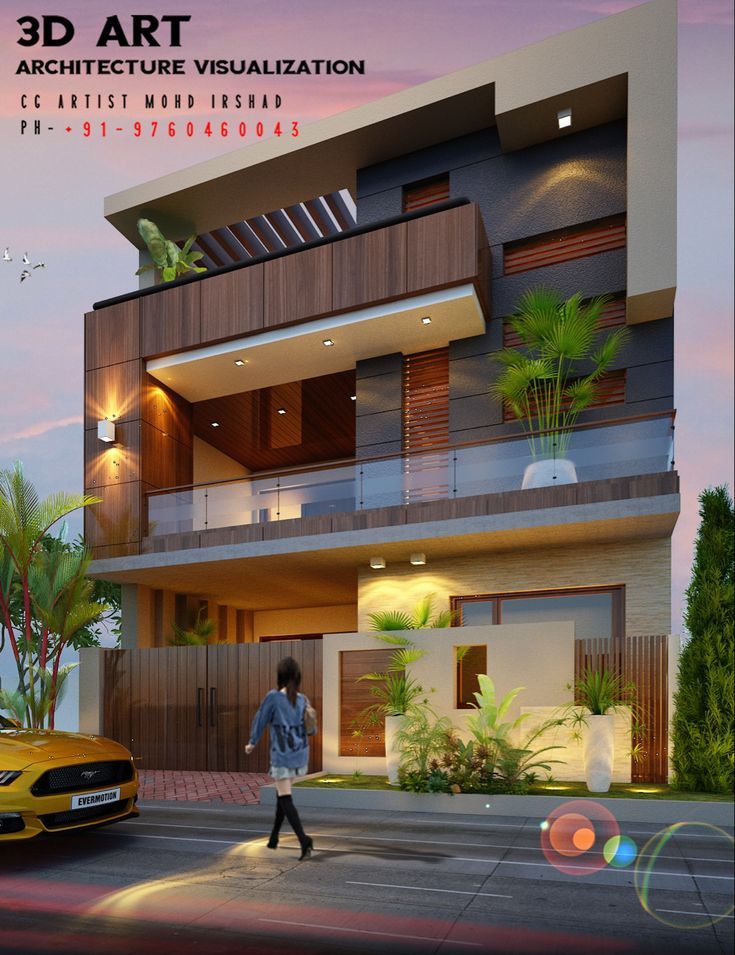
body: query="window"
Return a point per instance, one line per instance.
(470, 660)
(596, 612)
(425, 193)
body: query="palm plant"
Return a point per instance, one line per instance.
(45, 599)
(420, 618)
(547, 383)
(422, 737)
(603, 691)
(195, 636)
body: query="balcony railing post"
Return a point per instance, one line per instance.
(673, 447)
(278, 499)
(206, 507)
(454, 476)
(362, 487)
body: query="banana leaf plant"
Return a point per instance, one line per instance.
(167, 257)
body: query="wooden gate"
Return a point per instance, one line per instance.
(643, 661)
(191, 708)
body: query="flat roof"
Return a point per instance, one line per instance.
(623, 65)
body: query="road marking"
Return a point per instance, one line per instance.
(361, 931)
(704, 915)
(421, 888)
(542, 865)
(371, 838)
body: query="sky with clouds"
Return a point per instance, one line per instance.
(52, 188)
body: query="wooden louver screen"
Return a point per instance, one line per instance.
(425, 193)
(574, 243)
(426, 400)
(613, 316)
(610, 391)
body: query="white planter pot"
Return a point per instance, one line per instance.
(599, 752)
(547, 472)
(393, 726)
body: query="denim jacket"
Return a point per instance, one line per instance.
(288, 742)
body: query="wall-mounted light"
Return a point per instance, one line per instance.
(328, 342)
(215, 424)
(353, 397)
(281, 411)
(418, 559)
(377, 563)
(106, 430)
(426, 320)
(564, 118)
(240, 362)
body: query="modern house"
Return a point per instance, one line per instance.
(305, 433)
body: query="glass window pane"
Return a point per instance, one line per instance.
(477, 613)
(590, 613)
(470, 662)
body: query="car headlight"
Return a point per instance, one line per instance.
(8, 775)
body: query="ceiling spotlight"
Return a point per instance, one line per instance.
(239, 362)
(281, 411)
(377, 563)
(426, 320)
(215, 424)
(327, 342)
(353, 397)
(418, 559)
(564, 118)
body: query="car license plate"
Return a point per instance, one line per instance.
(95, 799)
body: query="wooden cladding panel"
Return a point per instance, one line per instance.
(591, 238)
(112, 391)
(370, 267)
(170, 320)
(116, 463)
(232, 304)
(355, 697)
(117, 520)
(610, 391)
(425, 193)
(166, 410)
(298, 286)
(443, 248)
(165, 462)
(112, 335)
(426, 400)
(643, 661)
(612, 316)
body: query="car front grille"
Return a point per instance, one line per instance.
(65, 779)
(55, 820)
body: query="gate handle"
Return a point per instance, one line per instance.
(213, 706)
(200, 695)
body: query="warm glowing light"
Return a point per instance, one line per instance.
(564, 118)
(240, 362)
(426, 320)
(106, 430)
(328, 342)
(418, 559)
(281, 411)
(583, 839)
(353, 397)
(377, 563)
(215, 424)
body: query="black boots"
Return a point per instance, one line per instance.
(285, 807)
(273, 841)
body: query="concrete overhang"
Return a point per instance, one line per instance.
(274, 357)
(319, 570)
(588, 69)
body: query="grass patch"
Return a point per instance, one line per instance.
(567, 790)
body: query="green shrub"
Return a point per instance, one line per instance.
(703, 720)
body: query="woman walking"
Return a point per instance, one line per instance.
(282, 710)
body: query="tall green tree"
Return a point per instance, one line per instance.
(703, 723)
(46, 601)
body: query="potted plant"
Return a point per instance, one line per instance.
(555, 375)
(395, 690)
(602, 694)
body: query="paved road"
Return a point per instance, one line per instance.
(184, 880)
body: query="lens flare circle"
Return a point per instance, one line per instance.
(576, 833)
(645, 870)
(620, 851)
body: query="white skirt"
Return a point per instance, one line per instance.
(284, 772)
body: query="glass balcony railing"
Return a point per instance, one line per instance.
(621, 449)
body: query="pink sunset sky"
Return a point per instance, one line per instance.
(53, 186)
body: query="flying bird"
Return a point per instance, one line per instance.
(26, 260)
(25, 274)
(40, 265)
(7, 257)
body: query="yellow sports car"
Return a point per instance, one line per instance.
(52, 781)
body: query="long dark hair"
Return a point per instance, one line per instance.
(289, 675)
